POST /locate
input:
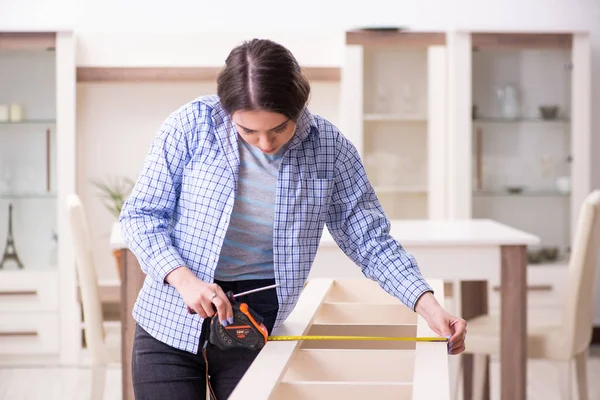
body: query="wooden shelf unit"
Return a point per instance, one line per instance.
(350, 369)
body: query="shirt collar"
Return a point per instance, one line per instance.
(304, 126)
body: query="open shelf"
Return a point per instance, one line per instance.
(530, 120)
(30, 122)
(400, 190)
(523, 194)
(28, 196)
(389, 117)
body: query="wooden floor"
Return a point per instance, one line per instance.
(51, 383)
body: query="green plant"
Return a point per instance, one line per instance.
(115, 192)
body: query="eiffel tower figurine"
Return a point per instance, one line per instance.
(10, 252)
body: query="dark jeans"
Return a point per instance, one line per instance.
(161, 372)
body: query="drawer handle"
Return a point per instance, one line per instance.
(21, 333)
(531, 288)
(19, 293)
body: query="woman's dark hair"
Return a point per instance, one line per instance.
(263, 75)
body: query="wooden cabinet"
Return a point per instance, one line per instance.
(393, 110)
(38, 307)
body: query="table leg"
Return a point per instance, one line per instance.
(474, 302)
(513, 323)
(132, 279)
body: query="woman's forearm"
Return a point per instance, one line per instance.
(427, 305)
(180, 276)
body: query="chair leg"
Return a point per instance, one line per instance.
(565, 378)
(479, 375)
(458, 379)
(98, 382)
(581, 375)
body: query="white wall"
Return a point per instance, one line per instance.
(116, 146)
(104, 27)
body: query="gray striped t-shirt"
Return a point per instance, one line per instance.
(247, 251)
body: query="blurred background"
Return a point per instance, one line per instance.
(498, 80)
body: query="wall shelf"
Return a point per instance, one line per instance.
(179, 74)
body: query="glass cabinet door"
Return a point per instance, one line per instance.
(521, 141)
(28, 232)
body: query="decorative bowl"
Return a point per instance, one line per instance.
(514, 189)
(549, 112)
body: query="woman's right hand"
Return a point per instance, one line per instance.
(200, 296)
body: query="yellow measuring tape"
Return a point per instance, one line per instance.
(316, 337)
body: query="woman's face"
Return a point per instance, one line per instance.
(265, 130)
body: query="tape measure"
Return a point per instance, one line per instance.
(376, 338)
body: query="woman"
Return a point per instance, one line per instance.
(234, 194)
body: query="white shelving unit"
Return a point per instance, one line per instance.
(393, 110)
(506, 160)
(38, 304)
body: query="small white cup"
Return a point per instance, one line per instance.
(16, 112)
(3, 113)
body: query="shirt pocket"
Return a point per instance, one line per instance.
(313, 202)
(316, 192)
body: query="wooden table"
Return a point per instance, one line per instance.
(464, 251)
(132, 279)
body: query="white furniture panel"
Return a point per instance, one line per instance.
(350, 369)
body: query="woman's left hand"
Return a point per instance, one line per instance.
(443, 323)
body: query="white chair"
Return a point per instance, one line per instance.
(563, 342)
(103, 342)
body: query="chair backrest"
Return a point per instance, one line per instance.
(88, 280)
(578, 311)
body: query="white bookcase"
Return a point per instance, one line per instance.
(39, 312)
(393, 110)
(509, 162)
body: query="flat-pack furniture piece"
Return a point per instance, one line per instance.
(350, 369)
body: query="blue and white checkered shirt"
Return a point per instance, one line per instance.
(179, 210)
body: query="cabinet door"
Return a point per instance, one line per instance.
(516, 130)
(28, 230)
(393, 107)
